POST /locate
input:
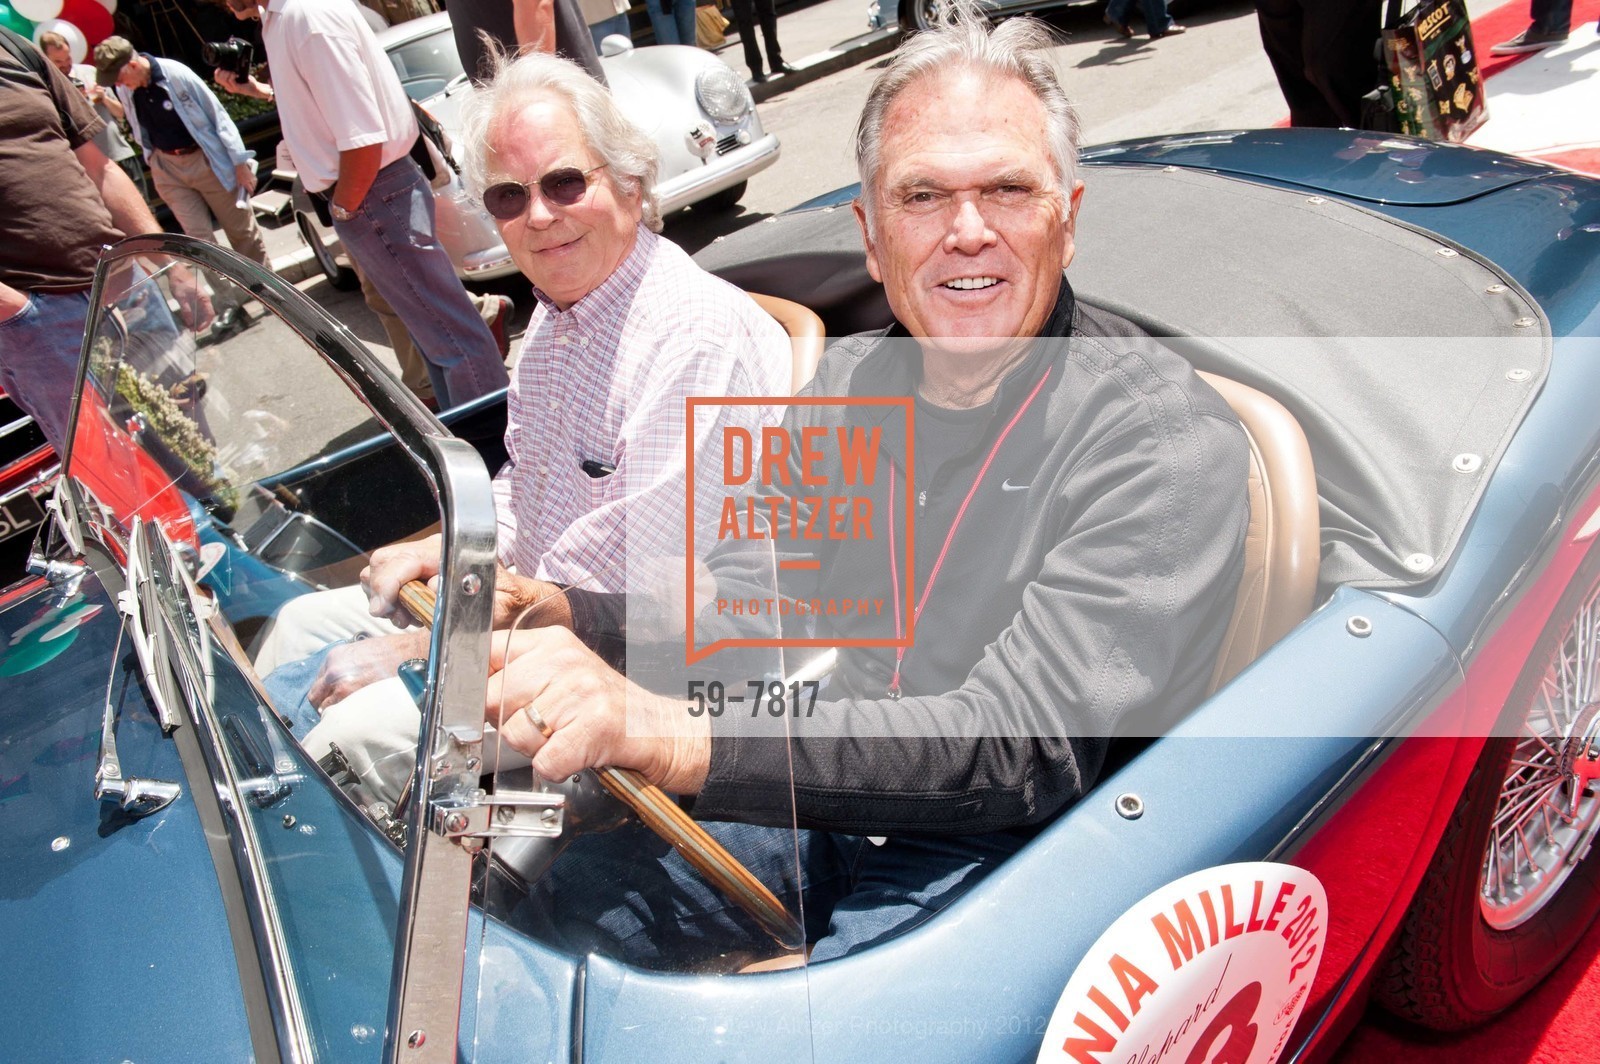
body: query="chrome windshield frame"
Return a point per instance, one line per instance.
(425, 991)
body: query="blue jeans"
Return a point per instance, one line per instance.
(627, 895)
(39, 349)
(392, 238)
(1156, 19)
(674, 27)
(1551, 16)
(40, 345)
(616, 24)
(289, 684)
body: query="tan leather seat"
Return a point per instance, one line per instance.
(807, 335)
(1282, 544)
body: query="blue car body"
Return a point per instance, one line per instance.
(136, 938)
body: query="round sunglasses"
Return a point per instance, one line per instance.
(563, 187)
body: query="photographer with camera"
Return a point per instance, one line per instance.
(354, 138)
(197, 158)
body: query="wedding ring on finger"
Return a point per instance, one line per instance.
(538, 721)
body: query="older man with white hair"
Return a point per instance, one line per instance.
(627, 328)
(1079, 520)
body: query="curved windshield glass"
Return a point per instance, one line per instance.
(242, 482)
(249, 477)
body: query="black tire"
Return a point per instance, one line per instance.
(1451, 967)
(724, 200)
(340, 276)
(919, 15)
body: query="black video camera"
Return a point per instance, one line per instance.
(235, 55)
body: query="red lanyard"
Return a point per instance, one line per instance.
(894, 570)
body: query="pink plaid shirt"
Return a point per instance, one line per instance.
(605, 382)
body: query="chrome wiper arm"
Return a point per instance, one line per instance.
(141, 615)
(183, 614)
(179, 613)
(137, 796)
(164, 609)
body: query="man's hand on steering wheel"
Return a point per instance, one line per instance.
(391, 568)
(396, 565)
(553, 699)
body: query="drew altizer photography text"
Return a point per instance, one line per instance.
(800, 488)
(753, 465)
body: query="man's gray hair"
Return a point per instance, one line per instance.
(626, 152)
(963, 40)
(52, 39)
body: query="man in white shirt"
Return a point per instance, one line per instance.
(351, 130)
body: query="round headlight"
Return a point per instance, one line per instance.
(721, 94)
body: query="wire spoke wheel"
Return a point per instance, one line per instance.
(1535, 838)
(1514, 883)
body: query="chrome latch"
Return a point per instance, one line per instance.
(502, 815)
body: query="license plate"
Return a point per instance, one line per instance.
(19, 513)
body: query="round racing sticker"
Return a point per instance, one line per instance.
(1211, 969)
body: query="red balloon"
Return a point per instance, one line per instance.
(93, 19)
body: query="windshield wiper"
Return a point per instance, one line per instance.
(143, 617)
(154, 647)
(137, 796)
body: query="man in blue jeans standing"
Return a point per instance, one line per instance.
(1552, 21)
(1156, 20)
(351, 130)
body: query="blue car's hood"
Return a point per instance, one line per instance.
(1375, 167)
(109, 923)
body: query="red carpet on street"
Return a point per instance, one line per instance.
(1544, 105)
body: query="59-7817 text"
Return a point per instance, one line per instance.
(772, 697)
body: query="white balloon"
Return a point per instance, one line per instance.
(37, 10)
(77, 44)
(109, 5)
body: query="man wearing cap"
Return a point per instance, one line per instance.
(111, 141)
(197, 158)
(63, 201)
(351, 130)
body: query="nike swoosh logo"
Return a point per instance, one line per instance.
(1006, 485)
